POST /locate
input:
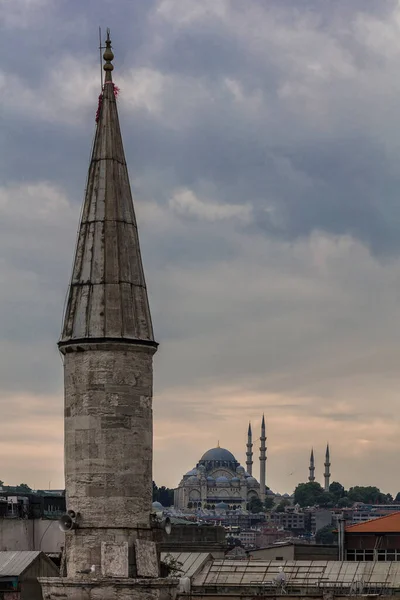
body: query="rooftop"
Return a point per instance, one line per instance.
(13, 564)
(386, 524)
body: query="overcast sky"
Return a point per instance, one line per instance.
(263, 145)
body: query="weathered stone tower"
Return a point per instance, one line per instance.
(107, 343)
(327, 473)
(249, 453)
(311, 468)
(263, 460)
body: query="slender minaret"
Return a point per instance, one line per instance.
(311, 468)
(249, 453)
(263, 460)
(107, 345)
(327, 464)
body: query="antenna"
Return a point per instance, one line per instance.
(101, 62)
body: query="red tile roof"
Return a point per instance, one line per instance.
(387, 524)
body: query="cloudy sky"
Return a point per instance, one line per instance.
(263, 144)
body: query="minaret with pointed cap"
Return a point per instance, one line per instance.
(327, 474)
(263, 460)
(311, 468)
(249, 453)
(108, 345)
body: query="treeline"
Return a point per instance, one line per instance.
(312, 494)
(163, 495)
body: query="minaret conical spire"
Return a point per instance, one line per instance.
(249, 453)
(327, 473)
(263, 460)
(108, 345)
(107, 296)
(311, 468)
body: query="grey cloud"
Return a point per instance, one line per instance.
(291, 312)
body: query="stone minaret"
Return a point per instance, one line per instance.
(107, 345)
(311, 468)
(263, 460)
(327, 474)
(249, 453)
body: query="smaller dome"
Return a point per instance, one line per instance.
(246, 474)
(222, 479)
(157, 505)
(235, 479)
(210, 479)
(286, 496)
(251, 481)
(191, 472)
(192, 479)
(221, 506)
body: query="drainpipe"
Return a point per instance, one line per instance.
(341, 522)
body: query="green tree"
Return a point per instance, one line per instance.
(345, 502)
(325, 535)
(366, 494)
(155, 492)
(397, 499)
(268, 503)
(282, 505)
(165, 496)
(327, 499)
(308, 494)
(23, 487)
(337, 490)
(255, 505)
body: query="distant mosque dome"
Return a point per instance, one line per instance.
(157, 506)
(222, 479)
(219, 481)
(191, 472)
(218, 454)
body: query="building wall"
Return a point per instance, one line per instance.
(29, 585)
(372, 547)
(30, 534)
(195, 538)
(274, 553)
(305, 552)
(316, 552)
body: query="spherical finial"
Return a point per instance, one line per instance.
(108, 54)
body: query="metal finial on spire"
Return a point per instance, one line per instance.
(108, 54)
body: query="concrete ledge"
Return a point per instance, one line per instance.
(107, 588)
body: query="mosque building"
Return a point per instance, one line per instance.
(219, 481)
